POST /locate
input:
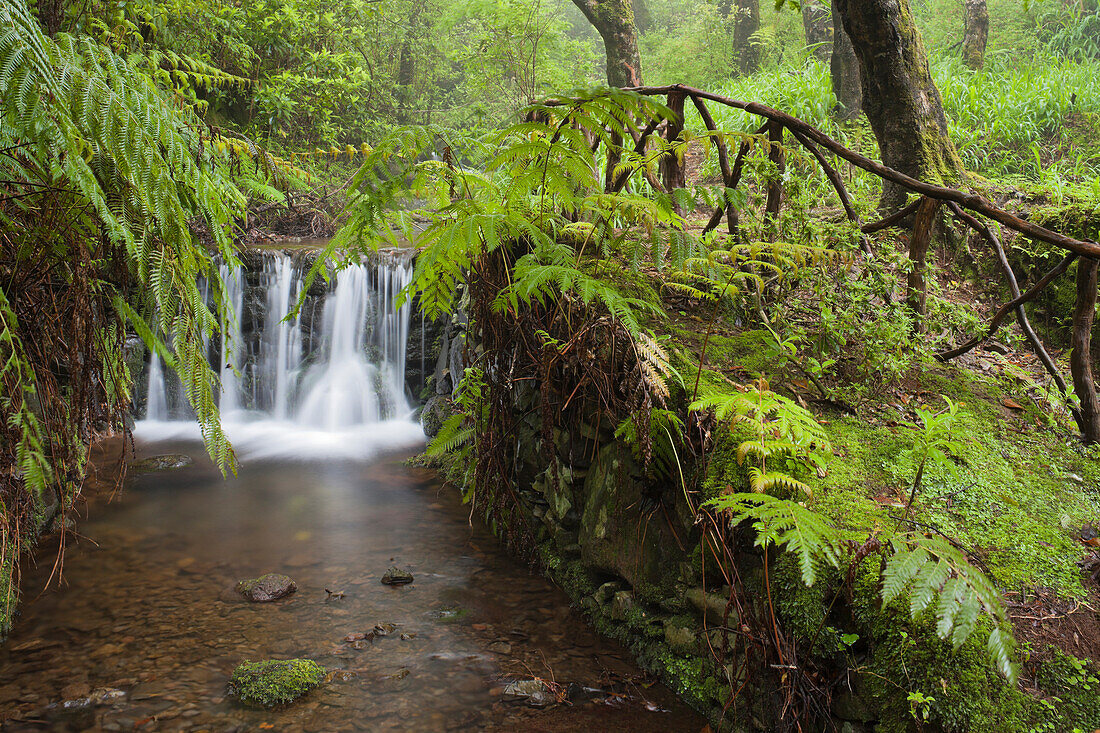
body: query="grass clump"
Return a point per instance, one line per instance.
(275, 681)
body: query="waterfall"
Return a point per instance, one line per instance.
(327, 381)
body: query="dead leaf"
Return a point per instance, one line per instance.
(1012, 404)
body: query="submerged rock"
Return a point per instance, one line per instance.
(532, 692)
(275, 681)
(167, 462)
(269, 587)
(396, 576)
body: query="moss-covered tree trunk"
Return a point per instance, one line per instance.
(614, 21)
(901, 101)
(975, 33)
(746, 23)
(844, 67)
(818, 24)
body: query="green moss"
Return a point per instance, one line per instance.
(1013, 497)
(1072, 693)
(275, 681)
(906, 657)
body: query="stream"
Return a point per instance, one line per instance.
(147, 627)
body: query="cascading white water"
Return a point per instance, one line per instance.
(295, 387)
(232, 350)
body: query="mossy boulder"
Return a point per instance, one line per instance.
(269, 587)
(275, 681)
(616, 538)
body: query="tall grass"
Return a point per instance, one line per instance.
(1015, 116)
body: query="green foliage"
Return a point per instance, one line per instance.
(935, 443)
(274, 681)
(139, 168)
(1070, 688)
(660, 451)
(455, 442)
(931, 569)
(787, 525)
(783, 431)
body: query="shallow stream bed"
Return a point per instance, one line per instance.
(147, 627)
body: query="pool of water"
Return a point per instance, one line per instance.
(146, 627)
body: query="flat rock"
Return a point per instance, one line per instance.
(269, 587)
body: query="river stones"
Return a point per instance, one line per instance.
(275, 681)
(396, 576)
(167, 462)
(269, 587)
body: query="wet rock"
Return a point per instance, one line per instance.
(435, 413)
(269, 587)
(614, 536)
(167, 462)
(848, 705)
(275, 681)
(107, 696)
(449, 614)
(541, 699)
(396, 576)
(679, 638)
(711, 606)
(500, 647)
(532, 692)
(457, 360)
(622, 603)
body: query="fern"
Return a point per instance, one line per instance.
(136, 161)
(782, 429)
(786, 524)
(935, 572)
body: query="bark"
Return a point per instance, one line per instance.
(1080, 362)
(844, 67)
(672, 171)
(975, 34)
(614, 21)
(818, 25)
(746, 24)
(901, 101)
(919, 242)
(775, 185)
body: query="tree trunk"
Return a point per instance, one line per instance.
(614, 20)
(775, 185)
(901, 101)
(1080, 362)
(746, 24)
(672, 171)
(844, 67)
(919, 241)
(819, 29)
(975, 34)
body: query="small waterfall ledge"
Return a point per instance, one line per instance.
(329, 382)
